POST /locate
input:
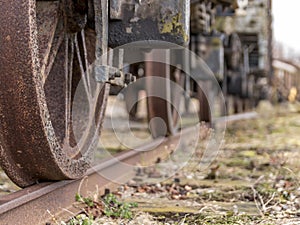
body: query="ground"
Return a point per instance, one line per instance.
(254, 179)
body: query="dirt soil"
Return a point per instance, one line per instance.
(254, 180)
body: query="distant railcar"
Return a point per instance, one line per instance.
(286, 80)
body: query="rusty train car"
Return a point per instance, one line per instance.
(244, 51)
(286, 80)
(50, 48)
(234, 38)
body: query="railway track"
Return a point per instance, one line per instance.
(37, 204)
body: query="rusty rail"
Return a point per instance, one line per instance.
(235, 117)
(37, 204)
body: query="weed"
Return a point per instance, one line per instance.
(115, 208)
(109, 206)
(80, 219)
(88, 201)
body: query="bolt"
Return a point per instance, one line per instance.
(129, 78)
(117, 74)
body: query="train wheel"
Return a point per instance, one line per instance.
(164, 96)
(46, 53)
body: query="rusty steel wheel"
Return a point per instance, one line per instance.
(163, 97)
(47, 48)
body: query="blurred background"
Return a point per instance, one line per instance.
(286, 35)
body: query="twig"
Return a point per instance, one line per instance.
(207, 207)
(263, 206)
(81, 182)
(258, 180)
(271, 199)
(182, 222)
(52, 217)
(256, 203)
(68, 211)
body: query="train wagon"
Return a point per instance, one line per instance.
(50, 49)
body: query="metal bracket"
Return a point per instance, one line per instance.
(116, 77)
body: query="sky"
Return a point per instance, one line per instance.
(286, 14)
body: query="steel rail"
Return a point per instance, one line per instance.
(236, 117)
(41, 203)
(37, 204)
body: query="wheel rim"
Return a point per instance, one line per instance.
(56, 62)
